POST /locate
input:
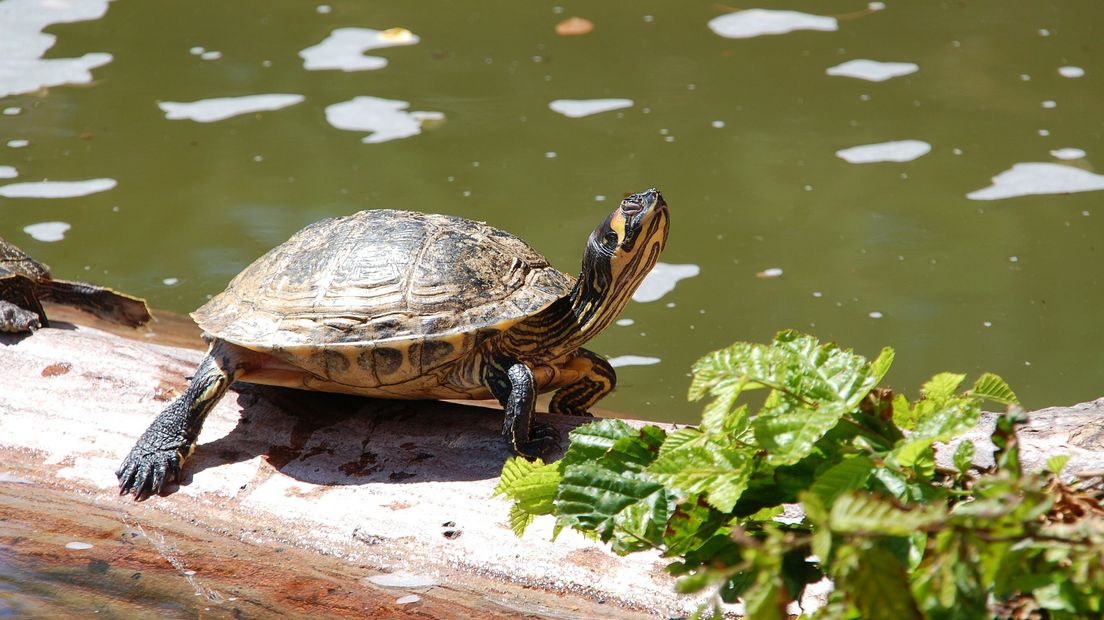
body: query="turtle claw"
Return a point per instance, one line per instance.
(542, 438)
(144, 473)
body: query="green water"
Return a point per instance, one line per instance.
(739, 134)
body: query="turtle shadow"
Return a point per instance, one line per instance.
(335, 440)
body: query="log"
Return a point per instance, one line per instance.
(302, 503)
(294, 502)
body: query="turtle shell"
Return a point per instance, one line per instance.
(382, 296)
(14, 260)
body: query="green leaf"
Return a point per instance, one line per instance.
(635, 452)
(689, 584)
(531, 485)
(691, 524)
(937, 421)
(994, 388)
(846, 475)
(722, 372)
(520, 519)
(766, 599)
(878, 586)
(788, 437)
(590, 496)
(721, 418)
(859, 513)
(1057, 463)
(679, 438)
(707, 468)
(893, 481)
(904, 415)
(590, 442)
(641, 525)
(880, 366)
(964, 456)
(942, 386)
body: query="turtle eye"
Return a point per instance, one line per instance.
(611, 239)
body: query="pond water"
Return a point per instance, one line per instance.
(913, 174)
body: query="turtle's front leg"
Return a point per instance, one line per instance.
(596, 379)
(161, 451)
(517, 391)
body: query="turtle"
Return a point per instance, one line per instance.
(25, 283)
(407, 305)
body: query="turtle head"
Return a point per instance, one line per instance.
(631, 238)
(620, 252)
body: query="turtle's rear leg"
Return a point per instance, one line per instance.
(161, 451)
(596, 379)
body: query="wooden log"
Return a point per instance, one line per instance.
(348, 488)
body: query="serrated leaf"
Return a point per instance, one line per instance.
(904, 415)
(880, 366)
(936, 422)
(705, 468)
(679, 438)
(895, 484)
(590, 496)
(788, 437)
(994, 388)
(590, 442)
(520, 519)
(878, 586)
(942, 386)
(531, 485)
(846, 475)
(642, 524)
(855, 512)
(1057, 463)
(964, 456)
(723, 419)
(723, 371)
(635, 452)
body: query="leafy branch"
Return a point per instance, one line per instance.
(900, 537)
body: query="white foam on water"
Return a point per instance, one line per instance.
(387, 119)
(23, 44)
(662, 280)
(632, 360)
(898, 151)
(1034, 178)
(872, 70)
(56, 189)
(47, 231)
(759, 22)
(1068, 153)
(344, 49)
(222, 108)
(8, 172)
(577, 108)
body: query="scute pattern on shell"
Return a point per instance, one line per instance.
(14, 260)
(383, 278)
